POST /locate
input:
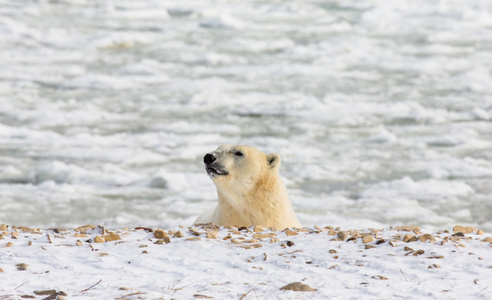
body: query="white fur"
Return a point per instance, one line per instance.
(252, 192)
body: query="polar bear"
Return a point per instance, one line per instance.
(249, 188)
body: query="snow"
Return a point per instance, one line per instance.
(380, 110)
(136, 267)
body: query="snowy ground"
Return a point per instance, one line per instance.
(227, 263)
(381, 110)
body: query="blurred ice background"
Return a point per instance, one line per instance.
(381, 110)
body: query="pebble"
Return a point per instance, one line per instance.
(368, 239)
(194, 231)
(160, 234)
(414, 228)
(251, 246)
(263, 235)
(427, 238)
(258, 228)
(410, 238)
(290, 232)
(298, 287)
(212, 234)
(464, 229)
(27, 229)
(98, 239)
(112, 237)
(178, 234)
(22, 266)
(45, 292)
(342, 236)
(85, 228)
(4, 227)
(488, 239)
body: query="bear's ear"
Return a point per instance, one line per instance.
(273, 160)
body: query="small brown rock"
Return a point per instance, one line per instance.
(22, 266)
(427, 238)
(27, 229)
(298, 287)
(178, 234)
(263, 235)
(274, 239)
(98, 239)
(332, 251)
(464, 229)
(4, 227)
(258, 228)
(369, 247)
(45, 292)
(379, 277)
(212, 234)
(9, 244)
(199, 296)
(488, 239)
(480, 232)
(78, 243)
(80, 235)
(342, 236)
(368, 239)
(410, 238)
(1, 270)
(194, 239)
(112, 237)
(160, 234)
(194, 231)
(291, 232)
(416, 229)
(83, 229)
(1, 236)
(434, 266)
(14, 234)
(251, 246)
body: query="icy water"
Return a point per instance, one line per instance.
(381, 110)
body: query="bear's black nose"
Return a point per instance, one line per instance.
(208, 159)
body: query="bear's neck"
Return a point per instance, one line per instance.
(264, 204)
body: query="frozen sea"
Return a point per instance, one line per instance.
(381, 110)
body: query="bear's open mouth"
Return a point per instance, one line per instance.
(211, 171)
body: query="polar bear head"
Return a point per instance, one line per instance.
(240, 167)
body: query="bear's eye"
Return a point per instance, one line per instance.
(238, 153)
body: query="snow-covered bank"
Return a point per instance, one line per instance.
(91, 262)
